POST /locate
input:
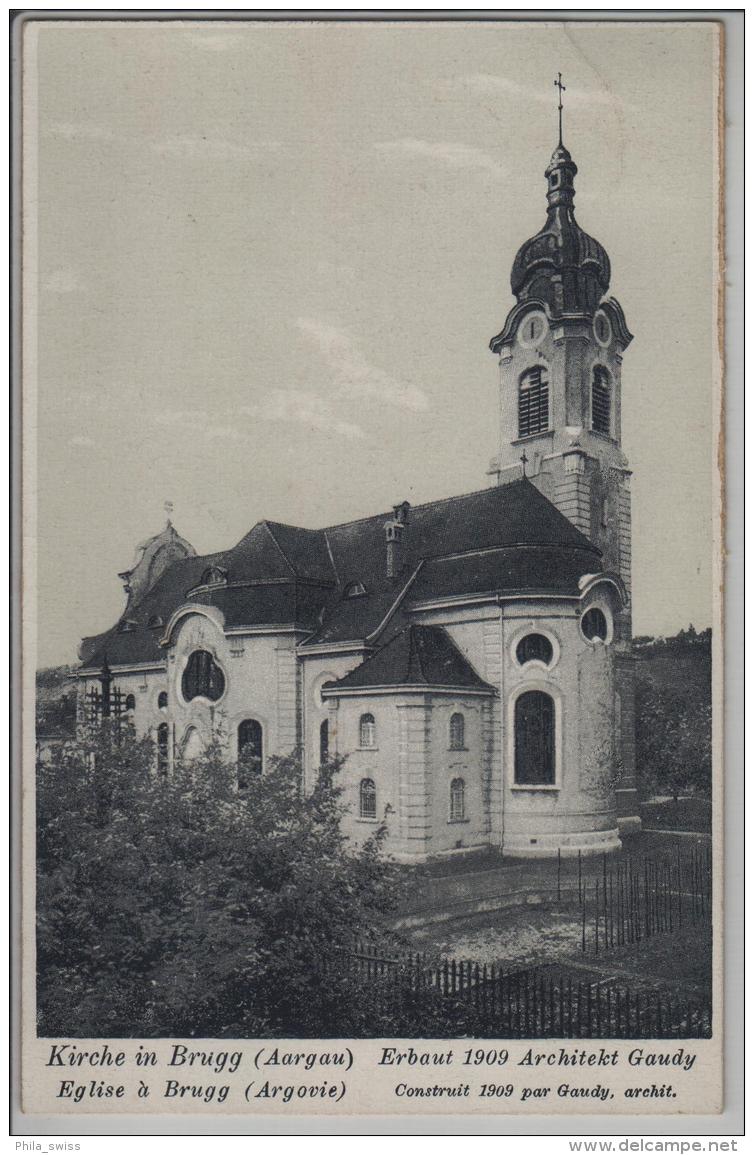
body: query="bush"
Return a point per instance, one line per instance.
(178, 905)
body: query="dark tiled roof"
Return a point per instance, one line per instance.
(502, 539)
(529, 535)
(520, 569)
(417, 656)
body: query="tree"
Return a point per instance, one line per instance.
(673, 740)
(182, 905)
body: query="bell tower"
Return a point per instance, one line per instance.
(560, 355)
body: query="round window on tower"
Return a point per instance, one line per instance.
(532, 330)
(603, 330)
(594, 625)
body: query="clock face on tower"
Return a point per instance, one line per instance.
(532, 330)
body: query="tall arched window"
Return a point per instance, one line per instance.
(533, 402)
(202, 677)
(162, 748)
(367, 731)
(324, 742)
(457, 800)
(162, 700)
(130, 704)
(367, 799)
(534, 731)
(250, 752)
(457, 732)
(601, 400)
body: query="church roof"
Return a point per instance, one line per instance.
(503, 539)
(417, 656)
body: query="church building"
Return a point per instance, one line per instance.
(471, 658)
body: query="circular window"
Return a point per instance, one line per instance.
(603, 330)
(534, 648)
(533, 329)
(594, 625)
(202, 677)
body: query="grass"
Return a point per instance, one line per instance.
(685, 814)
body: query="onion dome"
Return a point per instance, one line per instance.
(562, 265)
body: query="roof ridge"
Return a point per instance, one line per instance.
(289, 525)
(282, 552)
(438, 501)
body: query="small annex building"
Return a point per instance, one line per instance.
(471, 656)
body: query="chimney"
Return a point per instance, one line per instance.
(394, 538)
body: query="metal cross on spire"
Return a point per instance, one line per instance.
(524, 461)
(561, 89)
(169, 510)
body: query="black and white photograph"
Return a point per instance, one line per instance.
(372, 396)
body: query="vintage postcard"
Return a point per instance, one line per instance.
(372, 509)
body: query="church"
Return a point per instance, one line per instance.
(470, 658)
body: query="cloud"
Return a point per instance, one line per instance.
(63, 281)
(450, 153)
(541, 93)
(289, 406)
(354, 375)
(213, 148)
(309, 409)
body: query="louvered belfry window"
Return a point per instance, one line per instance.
(533, 402)
(601, 400)
(535, 739)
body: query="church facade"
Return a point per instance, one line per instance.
(471, 658)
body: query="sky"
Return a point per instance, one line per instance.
(269, 258)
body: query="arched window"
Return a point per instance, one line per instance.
(457, 732)
(594, 625)
(601, 400)
(155, 622)
(457, 800)
(162, 748)
(162, 700)
(534, 648)
(367, 731)
(533, 402)
(130, 703)
(250, 752)
(202, 677)
(324, 742)
(534, 732)
(367, 799)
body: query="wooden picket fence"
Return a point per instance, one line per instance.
(537, 1002)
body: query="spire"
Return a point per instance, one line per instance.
(561, 265)
(561, 89)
